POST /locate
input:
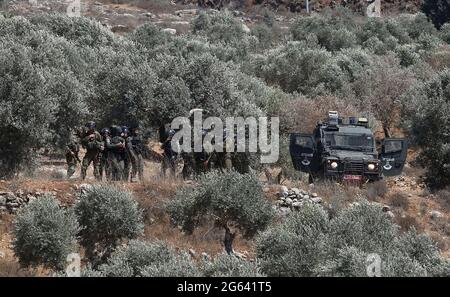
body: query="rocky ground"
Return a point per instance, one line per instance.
(123, 16)
(405, 199)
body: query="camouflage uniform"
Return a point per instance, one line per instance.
(93, 143)
(135, 149)
(116, 154)
(169, 158)
(105, 160)
(73, 148)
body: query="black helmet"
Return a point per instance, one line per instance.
(105, 131)
(116, 130)
(125, 130)
(90, 125)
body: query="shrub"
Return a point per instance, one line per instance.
(377, 189)
(149, 259)
(225, 265)
(234, 200)
(107, 215)
(295, 247)
(427, 107)
(400, 199)
(44, 233)
(308, 243)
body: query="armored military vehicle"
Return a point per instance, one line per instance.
(345, 150)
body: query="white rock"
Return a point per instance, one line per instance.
(169, 31)
(386, 208)
(306, 197)
(436, 215)
(289, 201)
(246, 29)
(296, 191)
(314, 195)
(2, 201)
(2, 254)
(317, 200)
(390, 214)
(297, 204)
(192, 252)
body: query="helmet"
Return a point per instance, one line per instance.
(116, 130)
(171, 133)
(125, 130)
(105, 131)
(90, 125)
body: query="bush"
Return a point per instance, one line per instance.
(377, 189)
(234, 201)
(427, 107)
(308, 243)
(149, 259)
(225, 265)
(295, 247)
(107, 215)
(400, 199)
(44, 234)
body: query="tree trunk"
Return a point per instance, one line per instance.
(228, 241)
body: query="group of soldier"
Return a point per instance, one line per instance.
(115, 152)
(194, 163)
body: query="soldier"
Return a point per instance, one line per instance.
(93, 143)
(73, 148)
(224, 159)
(202, 160)
(105, 166)
(127, 159)
(135, 149)
(169, 155)
(116, 153)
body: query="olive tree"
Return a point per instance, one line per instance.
(149, 259)
(233, 200)
(44, 233)
(107, 215)
(427, 107)
(309, 243)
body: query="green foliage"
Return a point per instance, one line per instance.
(427, 106)
(227, 197)
(308, 243)
(107, 215)
(225, 265)
(294, 247)
(44, 234)
(149, 259)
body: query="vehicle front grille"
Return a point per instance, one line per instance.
(354, 167)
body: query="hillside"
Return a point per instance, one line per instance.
(141, 64)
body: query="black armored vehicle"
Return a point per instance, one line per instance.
(345, 150)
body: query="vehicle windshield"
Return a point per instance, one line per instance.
(361, 142)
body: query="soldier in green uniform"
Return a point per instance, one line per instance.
(72, 150)
(116, 153)
(93, 143)
(105, 164)
(135, 149)
(127, 157)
